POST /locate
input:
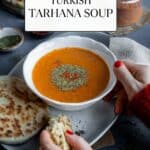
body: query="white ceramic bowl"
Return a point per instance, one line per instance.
(69, 41)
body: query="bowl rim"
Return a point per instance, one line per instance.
(55, 102)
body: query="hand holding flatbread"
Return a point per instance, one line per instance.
(59, 136)
(57, 128)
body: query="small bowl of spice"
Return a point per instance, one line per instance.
(10, 39)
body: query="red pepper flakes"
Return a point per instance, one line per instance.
(70, 76)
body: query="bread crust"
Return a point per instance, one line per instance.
(22, 114)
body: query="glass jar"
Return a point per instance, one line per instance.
(128, 12)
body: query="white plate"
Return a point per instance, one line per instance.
(95, 121)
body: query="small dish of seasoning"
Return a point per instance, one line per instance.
(10, 39)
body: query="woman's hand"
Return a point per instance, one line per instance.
(76, 142)
(133, 78)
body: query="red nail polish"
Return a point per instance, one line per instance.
(69, 132)
(118, 64)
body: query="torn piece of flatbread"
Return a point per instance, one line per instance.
(22, 114)
(57, 127)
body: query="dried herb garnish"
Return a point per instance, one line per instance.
(69, 77)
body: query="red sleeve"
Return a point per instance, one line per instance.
(140, 105)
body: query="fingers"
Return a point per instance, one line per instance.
(132, 67)
(126, 78)
(46, 143)
(140, 72)
(121, 101)
(76, 142)
(120, 97)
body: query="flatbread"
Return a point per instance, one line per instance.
(22, 114)
(57, 128)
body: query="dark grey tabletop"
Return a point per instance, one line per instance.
(8, 60)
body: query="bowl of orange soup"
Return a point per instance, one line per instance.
(70, 73)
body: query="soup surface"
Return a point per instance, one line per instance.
(70, 75)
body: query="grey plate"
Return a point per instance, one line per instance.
(94, 121)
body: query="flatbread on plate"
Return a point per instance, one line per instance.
(22, 114)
